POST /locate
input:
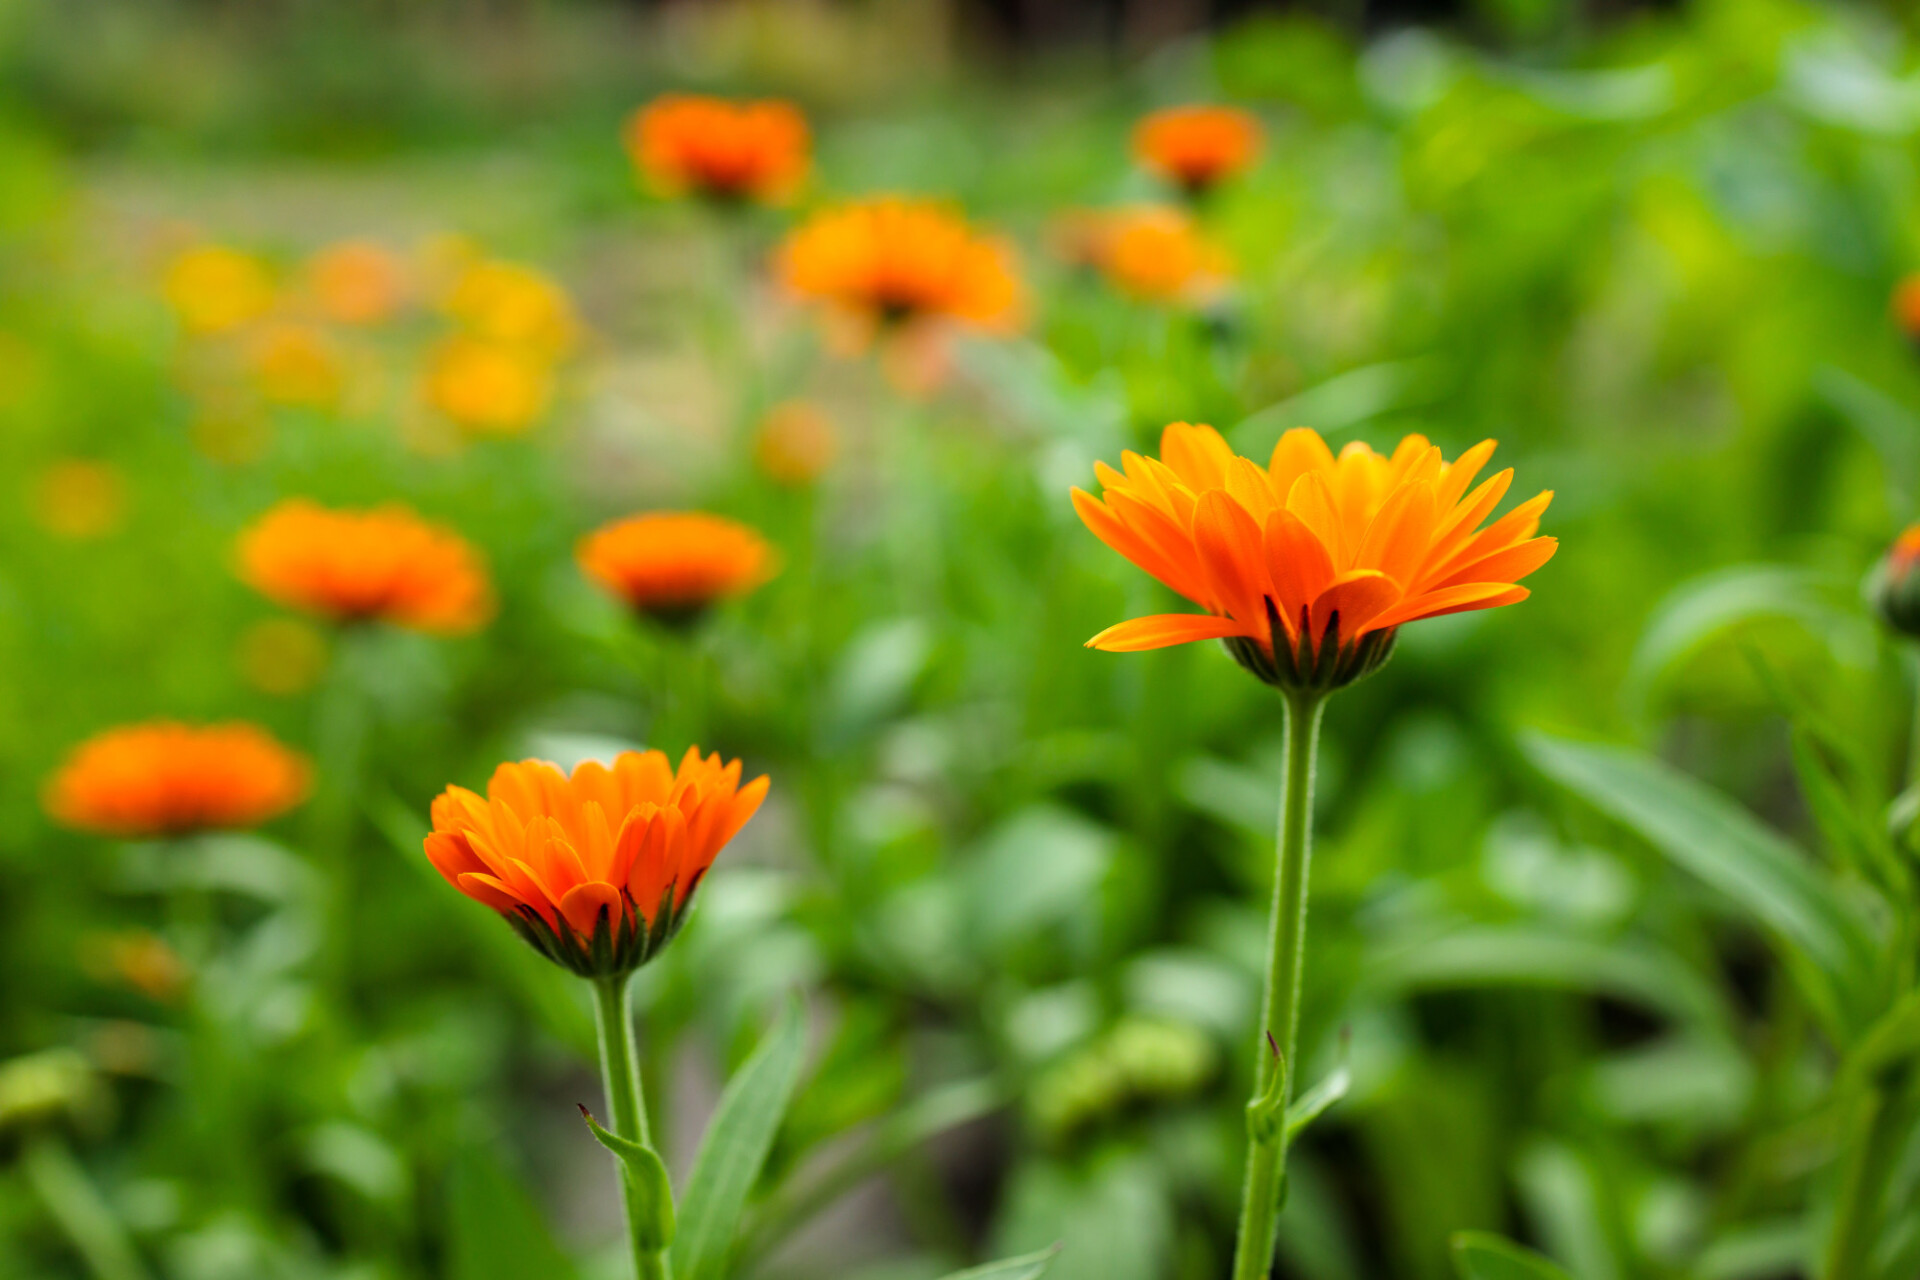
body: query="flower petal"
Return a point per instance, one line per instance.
(1358, 597)
(1160, 630)
(1297, 564)
(1231, 557)
(584, 903)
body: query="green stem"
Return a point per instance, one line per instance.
(1286, 943)
(77, 1206)
(1870, 1150)
(627, 1108)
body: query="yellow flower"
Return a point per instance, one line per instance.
(489, 388)
(216, 290)
(513, 305)
(297, 364)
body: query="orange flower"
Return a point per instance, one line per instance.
(1154, 254)
(1195, 147)
(671, 565)
(489, 388)
(595, 870)
(215, 290)
(891, 261)
(1308, 565)
(1895, 583)
(356, 282)
(168, 779)
(725, 150)
(385, 565)
(795, 443)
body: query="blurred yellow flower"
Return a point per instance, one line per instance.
(80, 499)
(357, 282)
(282, 656)
(795, 443)
(514, 305)
(489, 388)
(296, 364)
(216, 290)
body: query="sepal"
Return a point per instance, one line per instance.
(647, 1178)
(1305, 664)
(611, 948)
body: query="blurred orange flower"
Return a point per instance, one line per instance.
(672, 565)
(891, 261)
(513, 305)
(595, 870)
(489, 388)
(215, 290)
(795, 443)
(79, 498)
(1195, 147)
(357, 282)
(384, 565)
(1152, 253)
(1306, 566)
(170, 779)
(713, 147)
(297, 364)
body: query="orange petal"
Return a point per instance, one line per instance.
(1510, 565)
(1297, 564)
(487, 890)
(1461, 599)
(1358, 597)
(451, 855)
(1231, 556)
(1197, 453)
(1401, 533)
(1160, 630)
(584, 903)
(1300, 450)
(1311, 499)
(1460, 473)
(1161, 547)
(1509, 530)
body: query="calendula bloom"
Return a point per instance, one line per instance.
(169, 779)
(357, 282)
(489, 388)
(892, 261)
(1195, 147)
(383, 565)
(795, 443)
(515, 306)
(80, 499)
(595, 870)
(672, 565)
(296, 364)
(1895, 584)
(215, 290)
(721, 149)
(1160, 255)
(1307, 566)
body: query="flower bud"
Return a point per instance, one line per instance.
(1894, 586)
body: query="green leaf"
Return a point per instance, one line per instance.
(647, 1179)
(494, 1228)
(1708, 835)
(1308, 1106)
(1890, 1041)
(735, 1149)
(1480, 1255)
(1025, 1267)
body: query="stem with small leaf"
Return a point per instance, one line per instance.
(628, 1111)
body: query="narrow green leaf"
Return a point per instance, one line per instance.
(1714, 839)
(495, 1230)
(1480, 1255)
(735, 1149)
(1308, 1106)
(1025, 1267)
(648, 1179)
(1892, 1040)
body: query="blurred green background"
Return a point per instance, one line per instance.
(1021, 884)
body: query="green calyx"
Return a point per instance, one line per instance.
(614, 946)
(1311, 664)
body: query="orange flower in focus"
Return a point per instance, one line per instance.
(717, 148)
(1308, 565)
(594, 870)
(892, 261)
(168, 779)
(1195, 147)
(79, 499)
(215, 290)
(507, 303)
(357, 282)
(385, 565)
(489, 388)
(795, 443)
(672, 565)
(297, 364)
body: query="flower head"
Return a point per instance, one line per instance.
(892, 261)
(168, 779)
(795, 443)
(489, 388)
(1195, 147)
(214, 289)
(384, 565)
(1895, 584)
(720, 149)
(595, 870)
(513, 305)
(1155, 254)
(672, 565)
(357, 282)
(1307, 566)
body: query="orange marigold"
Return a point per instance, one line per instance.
(170, 779)
(384, 565)
(890, 261)
(672, 565)
(1308, 565)
(595, 870)
(721, 149)
(1195, 147)
(357, 282)
(1160, 255)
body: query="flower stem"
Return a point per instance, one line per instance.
(627, 1108)
(1286, 941)
(77, 1206)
